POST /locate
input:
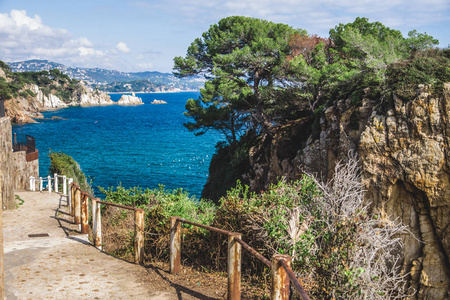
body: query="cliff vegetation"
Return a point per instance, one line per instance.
(13, 85)
(339, 250)
(289, 103)
(63, 164)
(29, 93)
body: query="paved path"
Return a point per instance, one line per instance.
(63, 265)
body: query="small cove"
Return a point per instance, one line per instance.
(144, 145)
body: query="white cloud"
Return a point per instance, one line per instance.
(144, 66)
(122, 47)
(316, 16)
(23, 37)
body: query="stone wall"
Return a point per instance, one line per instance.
(23, 170)
(6, 165)
(6, 185)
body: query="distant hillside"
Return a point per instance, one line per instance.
(27, 94)
(109, 80)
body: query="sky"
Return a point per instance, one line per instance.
(145, 35)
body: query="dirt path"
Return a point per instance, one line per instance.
(61, 264)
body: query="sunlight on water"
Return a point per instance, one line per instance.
(143, 145)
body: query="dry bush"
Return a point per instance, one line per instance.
(365, 249)
(118, 232)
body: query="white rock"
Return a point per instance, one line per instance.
(158, 102)
(129, 100)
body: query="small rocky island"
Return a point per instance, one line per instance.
(158, 102)
(129, 100)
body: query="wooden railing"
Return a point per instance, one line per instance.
(79, 210)
(280, 265)
(282, 274)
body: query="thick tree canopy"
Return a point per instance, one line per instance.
(262, 74)
(244, 58)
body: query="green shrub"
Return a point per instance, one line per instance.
(63, 164)
(338, 249)
(431, 67)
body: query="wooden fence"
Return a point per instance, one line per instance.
(282, 274)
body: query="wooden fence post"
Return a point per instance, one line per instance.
(138, 235)
(234, 267)
(97, 216)
(41, 184)
(77, 206)
(84, 214)
(175, 245)
(70, 199)
(280, 279)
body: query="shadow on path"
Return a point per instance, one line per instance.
(179, 288)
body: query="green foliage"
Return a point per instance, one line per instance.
(5, 67)
(243, 58)
(227, 166)
(325, 228)
(6, 89)
(135, 86)
(430, 67)
(179, 203)
(362, 38)
(48, 81)
(134, 197)
(169, 203)
(417, 41)
(19, 200)
(63, 164)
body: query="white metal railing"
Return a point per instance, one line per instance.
(50, 183)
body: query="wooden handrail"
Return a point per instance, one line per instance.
(120, 205)
(254, 252)
(280, 287)
(79, 210)
(295, 281)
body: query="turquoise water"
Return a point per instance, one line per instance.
(143, 145)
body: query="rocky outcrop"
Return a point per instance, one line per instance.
(26, 109)
(45, 102)
(404, 150)
(158, 102)
(129, 100)
(90, 97)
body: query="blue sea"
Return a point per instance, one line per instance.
(145, 145)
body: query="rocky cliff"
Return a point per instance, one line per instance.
(404, 149)
(25, 109)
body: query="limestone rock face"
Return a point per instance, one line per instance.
(405, 159)
(129, 100)
(89, 97)
(27, 109)
(404, 152)
(45, 102)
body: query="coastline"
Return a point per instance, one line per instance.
(165, 92)
(156, 160)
